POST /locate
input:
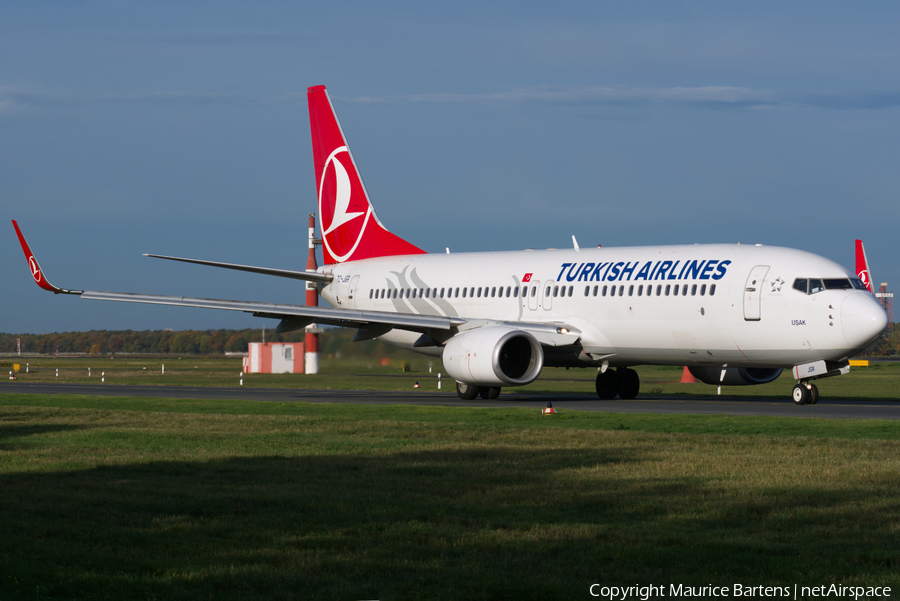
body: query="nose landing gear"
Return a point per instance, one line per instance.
(805, 393)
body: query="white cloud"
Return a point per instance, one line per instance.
(709, 96)
(597, 95)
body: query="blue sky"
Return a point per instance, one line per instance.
(182, 128)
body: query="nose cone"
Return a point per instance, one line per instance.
(863, 319)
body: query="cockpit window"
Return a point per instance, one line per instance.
(812, 286)
(835, 284)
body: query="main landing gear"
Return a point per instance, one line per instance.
(468, 392)
(623, 382)
(805, 394)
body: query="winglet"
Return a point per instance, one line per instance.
(36, 272)
(862, 266)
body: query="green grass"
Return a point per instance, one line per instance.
(880, 381)
(117, 497)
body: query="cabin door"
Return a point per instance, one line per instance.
(753, 292)
(351, 293)
(533, 288)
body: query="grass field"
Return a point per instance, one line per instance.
(131, 498)
(878, 381)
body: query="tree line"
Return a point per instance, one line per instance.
(187, 342)
(218, 342)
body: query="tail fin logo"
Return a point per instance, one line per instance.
(339, 197)
(864, 276)
(35, 269)
(862, 266)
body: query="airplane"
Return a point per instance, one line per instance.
(733, 314)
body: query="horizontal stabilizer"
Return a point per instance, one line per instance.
(310, 276)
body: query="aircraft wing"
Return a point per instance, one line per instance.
(295, 317)
(294, 313)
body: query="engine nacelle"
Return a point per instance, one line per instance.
(493, 356)
(736, 376)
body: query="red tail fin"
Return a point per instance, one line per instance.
(862, 266)
(350, 228)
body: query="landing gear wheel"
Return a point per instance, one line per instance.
(629, 383)
(607, 384)
(466, 392)
(800, 394)
(813, 394)
(489, 392)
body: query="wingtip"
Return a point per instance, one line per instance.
(35, 268)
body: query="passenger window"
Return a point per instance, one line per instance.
(675, 290)
(555, 291)
(516, 292)
(414, 292)
(479, 292)
(428, 293)
(659, 290)
(508, 290)
(595, 290)
(622, 290)
(703, 290)
(587, 290)
(547, 292)
(815, 286)
(694, 290)
(631, 290)
(684, 290)
(493, 292)
(641, 290)
(371, 293)
(604, 290)
(712, 289)
(534, 291)
(612, 290)
(395, 293)
(668, 289)
(571, 290)
(464, 292)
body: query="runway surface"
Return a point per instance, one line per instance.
(825, 408)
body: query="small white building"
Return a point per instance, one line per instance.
(274, 358)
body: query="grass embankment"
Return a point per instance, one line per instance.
(113, 498)
(880, 381)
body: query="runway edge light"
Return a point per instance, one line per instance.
(549, 410)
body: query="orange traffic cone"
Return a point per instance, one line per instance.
(687, 377)
(549, 410)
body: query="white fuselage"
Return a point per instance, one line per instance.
(672, 305)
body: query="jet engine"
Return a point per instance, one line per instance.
(736, 376)
(493, 356)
